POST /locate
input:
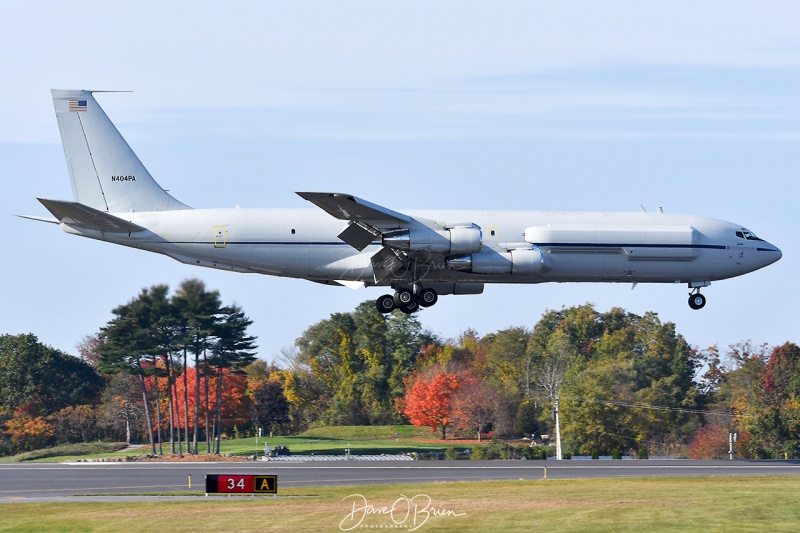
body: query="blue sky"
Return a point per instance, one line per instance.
(520, 105)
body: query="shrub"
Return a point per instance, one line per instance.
(479, 453)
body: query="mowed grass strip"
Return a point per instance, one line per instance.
(741, 504)
(361, 440)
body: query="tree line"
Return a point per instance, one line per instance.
(180, 369)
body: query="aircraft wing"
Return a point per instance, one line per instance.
(83, 216)
(348, 207)
(363, 216)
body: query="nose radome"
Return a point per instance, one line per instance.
(771, 254)
(778, 253)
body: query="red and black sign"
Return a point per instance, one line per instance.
(240, 484)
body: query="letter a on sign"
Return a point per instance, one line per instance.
(266, 484)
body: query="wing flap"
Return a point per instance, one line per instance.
(359, 235)
(385, 263)
(83, 216)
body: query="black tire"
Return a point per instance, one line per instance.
(697, 301)
(403, 297)
(428, 297)
(385, 304)
(413, 307)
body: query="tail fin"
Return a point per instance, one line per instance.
(105, 173)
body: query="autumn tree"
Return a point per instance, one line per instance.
(628, 381)
(710, 442)
(36, 381)
(28, 433)
(350, 368)
(42, 378)
(773, 419)
(428, 399)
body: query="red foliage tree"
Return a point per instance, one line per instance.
(235, 401)
(428, 398)
(710, 442)
(781, 376)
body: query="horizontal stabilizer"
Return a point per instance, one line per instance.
(40, 219)
(348, 207)
(83, 216)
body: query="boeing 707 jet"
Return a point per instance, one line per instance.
(351, 242)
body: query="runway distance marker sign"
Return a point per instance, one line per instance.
(241, 484)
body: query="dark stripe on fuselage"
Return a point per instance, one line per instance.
(540, 245)
(627, 245)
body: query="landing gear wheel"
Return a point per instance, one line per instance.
(385, 304)
(410, 308)
(403, 297)
(697, 301)
(428, 297)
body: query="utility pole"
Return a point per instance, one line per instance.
(558, 433)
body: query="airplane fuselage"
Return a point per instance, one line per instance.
(575, 247)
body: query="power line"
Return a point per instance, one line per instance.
(638, 405)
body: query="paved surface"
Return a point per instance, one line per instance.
(76, 481)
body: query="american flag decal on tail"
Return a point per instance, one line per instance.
(77, 105)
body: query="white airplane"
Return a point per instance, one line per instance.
(351, 242)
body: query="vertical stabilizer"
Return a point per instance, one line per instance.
(104, 171)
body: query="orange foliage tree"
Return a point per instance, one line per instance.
(428, 398)
(28, 433)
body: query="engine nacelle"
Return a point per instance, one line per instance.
(522, 262)
(456, 240)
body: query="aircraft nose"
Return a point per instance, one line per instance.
(770, 253)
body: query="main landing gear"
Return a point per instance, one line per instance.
(696, 300)
(407, 300)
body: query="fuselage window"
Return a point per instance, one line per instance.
(292, 232)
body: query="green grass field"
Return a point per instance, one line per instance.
(736, 504)
(334, 440)
(362, 440)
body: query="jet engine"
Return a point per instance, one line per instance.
(521, 262)
(455, 240)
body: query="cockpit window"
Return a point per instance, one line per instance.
(747, 235)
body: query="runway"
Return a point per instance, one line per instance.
(23, 482)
